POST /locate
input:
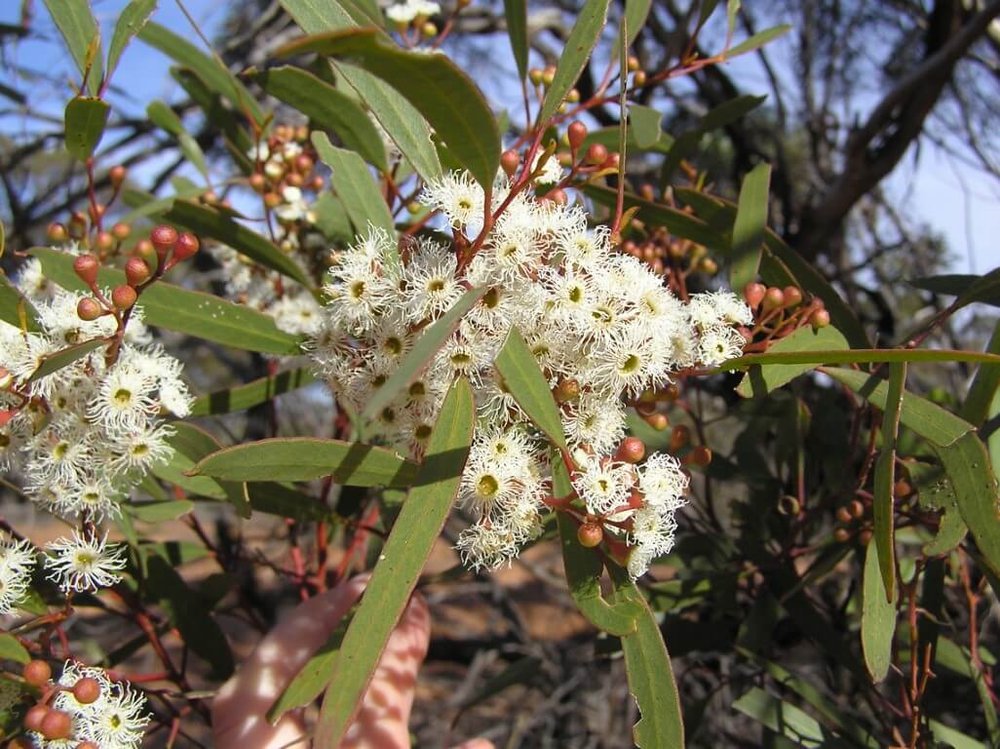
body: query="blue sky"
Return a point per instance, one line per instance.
(957, 201)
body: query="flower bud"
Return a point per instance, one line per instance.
(96, 212)
(86, 267)
(856, 509)
(294, 179)
(429, 30)
(633, 63)
(793, 296)
(304, 164)
(258, 182)
(56, 725)
(639, 78)
(187, 245)
(788, 505)
(590, 535)
(700, 456)
(658, 421)
(116, 175)
(549, 75)
(535, 76)
(34, 717)
(841, 535)
(510, 160)
(88, 309)
(843, 515)
(136, 271)
(567, 390)
(573, 96)
(631, 450)
(37, 673)
(121, 231)
(753, 293)
(576, 134)
(123, 297)
(57, 233)
(557, 196)
(317, 183)
(87, 690)
(163, 238)
(819, 319)
(679, 438)
(597, 154)
(77, 225)
(773, 299)
(709, 266)
(104, 241)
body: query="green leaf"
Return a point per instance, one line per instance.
(645, 125)
(762, 379)
(757, 40)
(677, 222)
(209, 69)
(186, 611)
(636, 13)
(423, 351)
(314, 676)
(130, 22)
(281, 500)
(930, 421)
(328, 108)
(307, 458)
(15, 309)
(405, 552)
(523, 379)
(878, 615)
(883, 513)
(440, 91)
(11, 649)
(190, 445)
(211, 223)
(355, 187)
(191, 312)
(749, 227)
(650, 676)
(236, 137)
(64, 357)
(935, 492)
(253, 393)
(950, 737)
(85, 119)
(860, 356)
(164, 117)
(332, 219)
(79, 29)
(159, 512)
(967, 288)
(782, 718)
(976, 407)
(580, 43)
(968, 467)
(687, 142)
(516, 14)
(316, 16)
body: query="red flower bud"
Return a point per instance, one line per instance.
(37, 673)
(86, 267)
(576, 134)
(597, 154)
(590, 535)
(89, 309)
(163, 238)
(136, 271)
(187, 245)
(123, 297)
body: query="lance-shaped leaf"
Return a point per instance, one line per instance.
(575, 55)
(878, 615)
(429, 343)
(749, 227)
(758, 40)
(516, 14)
(217, 225)
(523, 379)
(191, 312)
(762, 379)
(130, 22)
(883, 510)
(210, 69)
(85, 118)
(12, 650)
(79, 29)
(782, 718)
(405, 552)
(307, 458)
(261, 390)
(650, 675)
(164, 117)
(64, 357)
(328, 108)
(355, 187)
(446, 97)
(15, 309)
(967, 288)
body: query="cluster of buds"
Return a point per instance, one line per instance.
(635, 70)
(666, 253)
(284, 166)
(52, 723)
(87, 228)
(779, 312)
(151, 258)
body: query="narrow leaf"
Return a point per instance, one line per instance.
(749, 227)
(355, 187)
(516, 14)
(405, 552)
(677, 222)
(440, 91)
(967, 288)
(252, 394)
(761, 379)
(164, 117)
(636, 13)
(984, 385)
(523, 379)
(208, 68)
(429, 343)
(878, 615)
(782, 718)
(191, 312)
(860, 356)
(328, 108)
(307, 458)
(883, 510)
(159, 512)
(64, 357)
(575, 55)
(211, 223)
(645, 125)
(11, 649)
(130, 22)
(757, 40)
(85, 119)
(79, 29)
(14, 307)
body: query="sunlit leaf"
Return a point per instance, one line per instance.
(79, 29)
(523, 379)
(580, 43)
(749, 227)
(133, 17)
(762, 379)
(878, 616)
(516, 14)
(85, 120)
(355, 187)
(252, 394)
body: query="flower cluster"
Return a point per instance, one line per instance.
(17, 560)
(603, 329)
(85, 434)
(115, 719)
(408, 11)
